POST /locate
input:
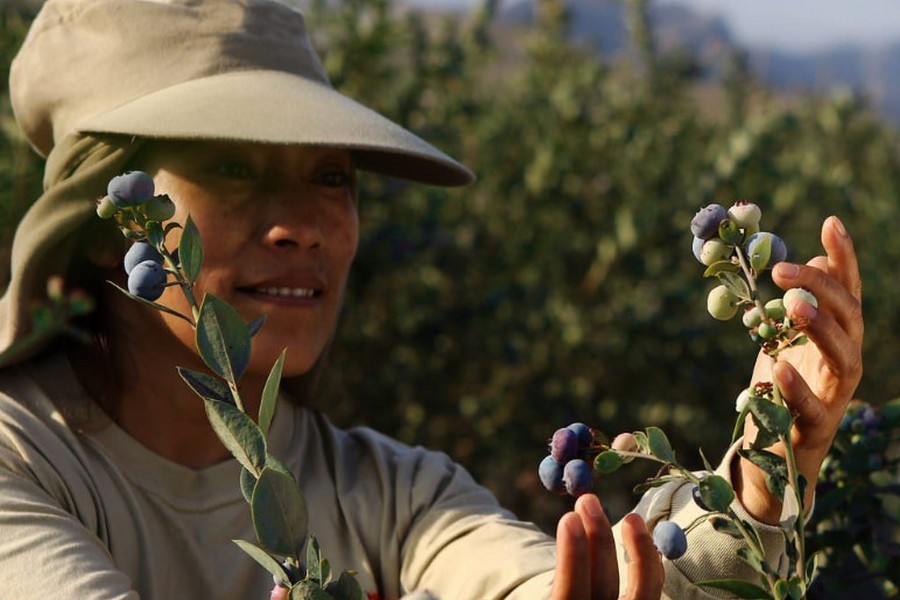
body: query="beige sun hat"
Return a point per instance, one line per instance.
(241, 70)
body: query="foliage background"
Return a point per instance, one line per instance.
(561, 287)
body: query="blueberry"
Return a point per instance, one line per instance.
(585, 437)
(777, 252)
(138, 253)
(745, 214)
(564, 445)
(715, 250)
(551, 474)
(626, 442)
(794, 295)
(130, 189)
(775, 309)
(669, 539)
(721, 303)
(697, 248)
(705, 223)
(147, 280)
(578, 477)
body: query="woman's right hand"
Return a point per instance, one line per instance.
(586, 566)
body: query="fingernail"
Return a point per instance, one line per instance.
(803, 309)
(787, 270)
(592, 505)
(838, 226)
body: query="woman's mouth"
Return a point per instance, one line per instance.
(288, 292)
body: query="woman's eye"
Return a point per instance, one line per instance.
(235, 170)
(337, 178)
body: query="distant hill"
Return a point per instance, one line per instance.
(601, 24)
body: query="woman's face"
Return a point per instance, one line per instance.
(280, 228)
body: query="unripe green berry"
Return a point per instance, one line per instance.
(766, 331)
(775, 309)
(105, 208)
(794, 295)
(745, 214)
(159, 208)
(721, 303)
(714, 250)
(742, 400)
(751, 318)
(625, 442)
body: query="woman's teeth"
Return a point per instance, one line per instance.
(286, 292)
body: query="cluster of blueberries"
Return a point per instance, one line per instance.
(568, 470)
(720, 237)
(134, 191)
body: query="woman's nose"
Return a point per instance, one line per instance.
(294, 225)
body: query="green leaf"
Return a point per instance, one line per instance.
(770, 416)
(274, 463)
(640, 488)
(313, 559)
(324, 571)
(642, 441)
(222, 338)
(270, 394)
(773, 465)
(607, 462)
(796, 589)
(738, 587)
(720, 266)
(206, 386)
(812, 563)
(790, 509)
(280, 517)
(346, 587)
(659, 445)
(755, 561)
(730, 232)
(238, 433)
(190, 251)
(255, 325)
(308, 590)
(716, 492)
(762, 251)
(781, 589)
(263, 558)
(248, 482)
(736, 285)
(726, 526)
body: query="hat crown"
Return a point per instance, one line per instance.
(85, 57)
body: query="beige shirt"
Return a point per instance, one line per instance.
(86, 512)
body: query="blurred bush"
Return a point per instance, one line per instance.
(561, 287)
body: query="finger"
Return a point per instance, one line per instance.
(645, 571)
(807, 409)
(279, 593)
(572, 579)
(842, 262)
(831, 295)
(839, 352)
(602, 544)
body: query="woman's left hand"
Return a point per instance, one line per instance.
(816, 380)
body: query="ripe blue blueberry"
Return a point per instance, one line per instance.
(705, 223)
(564, 445)
(585, 437)
(130, 189)
(138, 253)
(147, 280)
(697, 248)
(578, 477)
(670, 539)
(551, 474)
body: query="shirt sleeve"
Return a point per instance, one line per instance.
(711, 554)
(49, 545)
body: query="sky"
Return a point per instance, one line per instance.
(795, 25)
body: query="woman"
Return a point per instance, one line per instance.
(112, 484)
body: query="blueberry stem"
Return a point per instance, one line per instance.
(751, 282)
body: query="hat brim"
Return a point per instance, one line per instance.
(281, 108)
